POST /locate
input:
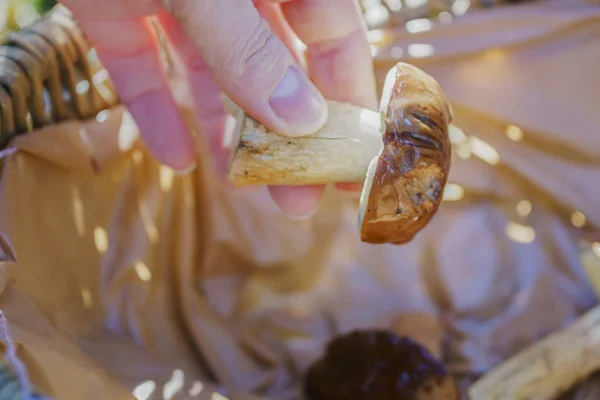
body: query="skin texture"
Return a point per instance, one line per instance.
(244, 49)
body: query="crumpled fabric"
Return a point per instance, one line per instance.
(121, 279)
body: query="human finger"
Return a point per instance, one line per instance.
(128, 48)
(300, 202)
(294, 201)
(251, 65)
(337, 51)
(271, 12)
(198, 89)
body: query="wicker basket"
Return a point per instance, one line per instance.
(49, 73)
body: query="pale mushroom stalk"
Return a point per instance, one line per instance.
(402, 154)
(338, 152)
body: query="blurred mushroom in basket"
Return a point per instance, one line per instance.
(378, 364)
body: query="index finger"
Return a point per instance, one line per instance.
(337, 49)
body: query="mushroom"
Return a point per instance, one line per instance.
(402, 154)
(376, 364)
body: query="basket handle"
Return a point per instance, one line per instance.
(49, 73)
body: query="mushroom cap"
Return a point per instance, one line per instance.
(376, 364)
(405, 182)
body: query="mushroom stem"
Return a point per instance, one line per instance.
(338, 152)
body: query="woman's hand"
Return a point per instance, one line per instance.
(244, 49)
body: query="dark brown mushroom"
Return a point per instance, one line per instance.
(378, 365)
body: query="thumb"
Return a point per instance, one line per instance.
(251, 65)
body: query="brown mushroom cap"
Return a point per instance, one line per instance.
(376, 364)
(405, 182)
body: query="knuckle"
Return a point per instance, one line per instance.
(176, 8)
(255, 54)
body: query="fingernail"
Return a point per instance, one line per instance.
(185, 171)
(298, 103)
(302, 217)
